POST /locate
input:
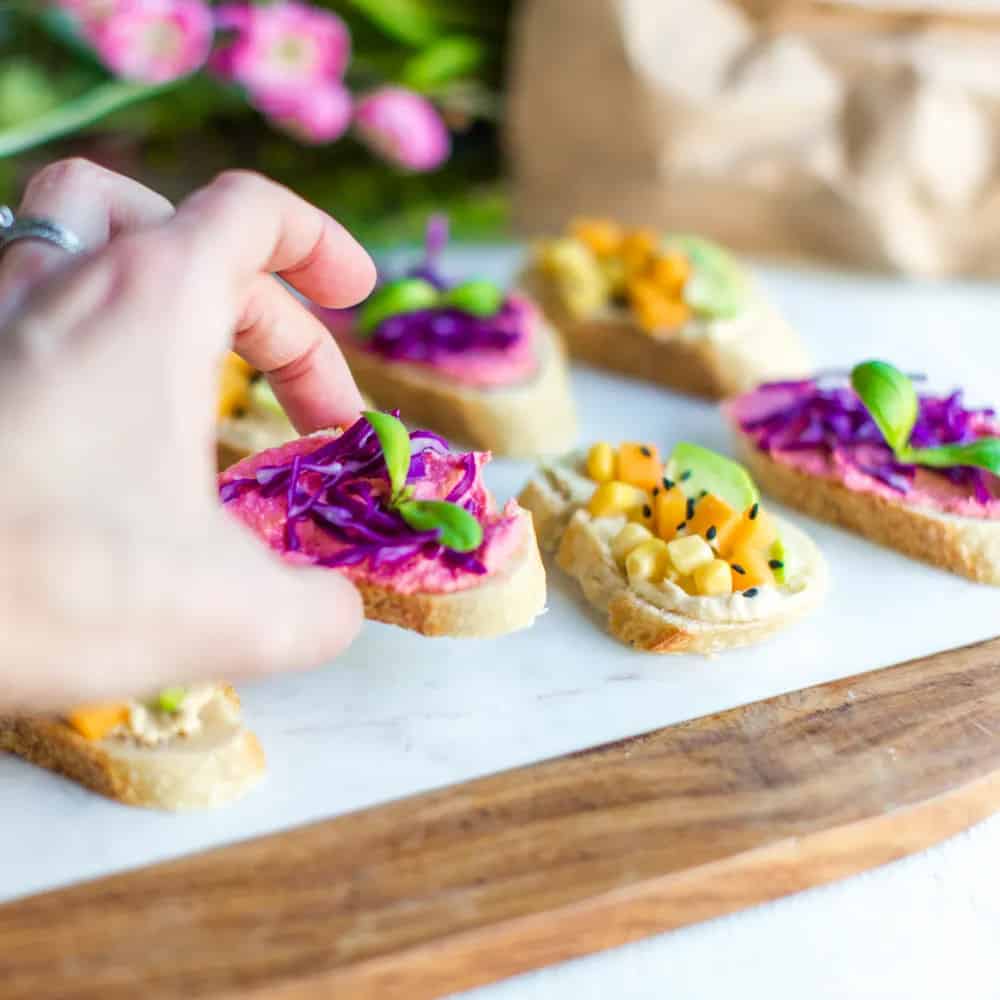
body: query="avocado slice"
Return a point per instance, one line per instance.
(717, 288)
(697, 468)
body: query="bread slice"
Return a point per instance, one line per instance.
(213, 767)
(527, 419)
(965, 545)
(716, 360)
(237, 437)
(504, 602)
(651, 620)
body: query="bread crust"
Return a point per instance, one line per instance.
(566, 529)
(964, 545)
(527, 419)
(214, 771)
(699, 366)
(238, 437)
(504, 602)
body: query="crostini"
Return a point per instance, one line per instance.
(682, 557)
(186, 748)
(919, 473)
(672, 309)
(250, 416)
(468, 360)
(410, 522)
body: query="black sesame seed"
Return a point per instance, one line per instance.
(711, 533)
(752, 592)
(754, 510)
(682, 525)
(656, 491)
(703, 493)
(776, 564)
(645, 451)
(668, 484)
(737, 568)
(647, 511)
(685, 475)
(690, 508)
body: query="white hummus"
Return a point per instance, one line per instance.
(204, 704)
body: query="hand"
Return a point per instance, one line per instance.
(120, 572)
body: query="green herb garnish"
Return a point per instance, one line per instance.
(170, 700)
(892, 401)
(405, 295)
(457, 528)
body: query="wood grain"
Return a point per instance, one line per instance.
(473, 883)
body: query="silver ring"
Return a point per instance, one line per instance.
(30, 227)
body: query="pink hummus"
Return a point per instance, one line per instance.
(929, 490)
(483, 369)
(503, 530)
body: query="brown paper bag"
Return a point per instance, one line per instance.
(863, 134)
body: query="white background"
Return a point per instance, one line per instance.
(400, 714)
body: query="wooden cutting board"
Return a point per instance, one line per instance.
(473, 883)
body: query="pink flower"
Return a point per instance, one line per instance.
(315, 115)
(283, 47)
(153, 40)
(403, 127)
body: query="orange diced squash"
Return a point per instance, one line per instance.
(637, 249)
(669, 511)
(640, 465)
(756, 530)
(602, 236)
(754, 565)
(712, 511)
(94, 722)
(670, 271)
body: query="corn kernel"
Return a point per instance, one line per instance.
(713, 578)
(601, 464)
(627, 539)
(616, 497)
(689, 552)
(575, 273)
(669, 511)
(602, 236)
(648, 561)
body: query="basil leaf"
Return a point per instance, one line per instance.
(983, 454)
(395, 441)
(169, 700)
(459, 529)
(890, 398)
(405, 295)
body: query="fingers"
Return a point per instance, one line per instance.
(263, 227)
(94, 203)
(279, 336)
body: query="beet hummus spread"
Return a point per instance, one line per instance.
(480, 351)
(323, 500)
(824, 430)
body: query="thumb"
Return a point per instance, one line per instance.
(268, 616)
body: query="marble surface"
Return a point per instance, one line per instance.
(398, 714)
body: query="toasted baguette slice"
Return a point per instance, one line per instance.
(210, 768)
(504, 602)
(556, 497)
(237, 437)
(725, 358)
(527, 419)
(965, 545)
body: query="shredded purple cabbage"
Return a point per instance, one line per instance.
(808, 416)
(331, 487)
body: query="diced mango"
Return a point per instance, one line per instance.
(710, 512)
(602, 236)
(94, 722)
(615, 498)
(755, 530)
(640, 465)
(750, 568)
(670, 271)
(714, 578)
(648, 561)
(601, 462)
(653, 308)
(627, 539)
(688, 553)
(637, 249)
(234, 384)
(669, 511)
